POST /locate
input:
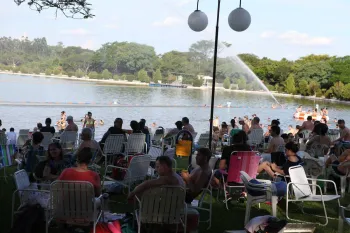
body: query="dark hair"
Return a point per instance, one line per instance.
(39, 125)
(3, 129)
(206, 152)
(142, 124)
(309, 118)
(240, 137)
(165, 160)
(185, 120)
(275, 122)
(292, 146)
(37, 137)
(0, 123)
(118, 119)
(178, 125)
(89, 113)
(321, 129)
(12, 130)
(135, 126)
(276, 129)
(257, 119)
(224, 124)
(143, 120)
(48, 121)
(233, 122)
(84, 155)
(341, 121)
(284, 136)
(58, 146)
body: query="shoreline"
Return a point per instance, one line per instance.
(141, 84)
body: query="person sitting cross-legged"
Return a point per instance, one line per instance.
(199, 177)
(166, 177)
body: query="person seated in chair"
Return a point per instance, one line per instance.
(166, 177)
(82, 172)
(199, 177)
(50, 169)
(292, 160)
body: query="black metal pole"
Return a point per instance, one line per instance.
(214, 76)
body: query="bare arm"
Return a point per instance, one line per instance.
(147, 185)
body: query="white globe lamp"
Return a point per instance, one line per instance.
(198, 21)
(239, 19)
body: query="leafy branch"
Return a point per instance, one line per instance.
(76, 9)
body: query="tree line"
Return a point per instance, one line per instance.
(312, 75)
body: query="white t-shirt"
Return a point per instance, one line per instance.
(11, 138)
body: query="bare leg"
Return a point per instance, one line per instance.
(266, 167)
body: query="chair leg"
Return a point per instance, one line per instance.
(274, 205)
(342, 185)
(340, 223)
(247, 211)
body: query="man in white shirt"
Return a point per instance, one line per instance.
(11, 137)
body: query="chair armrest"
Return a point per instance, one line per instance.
(112, 166)
(265, 181)
(326, 181)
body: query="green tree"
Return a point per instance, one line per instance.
(79, 73)
(93, 75)
(197, 82)
(227, 83)
(157, 76)
(346, 92)
(142, 76)
(242, 83)
(116, 77)
(313, 87)
(303, 87)
(130, 77)
(289, 85)
(48, 71)
(106, 74)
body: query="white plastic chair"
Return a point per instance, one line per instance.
(203, 140)
(68, 139)
(198, 204)
(136, 144)
(343, 218)
(136, 172)
(344, 179)
(162, 205)
(21, 140)
(24, 188)
(264, 187)
(312, 169)
(256, 137)
(47, 140)
(74, 203)
(24, 132)
(302, 192)
(113, 146)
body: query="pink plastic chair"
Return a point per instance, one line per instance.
(247, 161)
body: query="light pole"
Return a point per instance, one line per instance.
(239, 20)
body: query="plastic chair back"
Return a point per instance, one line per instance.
(114, 144)
(247, 161)
(301, 186)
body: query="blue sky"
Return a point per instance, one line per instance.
(280, 28)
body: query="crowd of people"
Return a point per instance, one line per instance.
(60, 165)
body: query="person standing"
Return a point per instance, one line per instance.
(89, 122)
(61, 124)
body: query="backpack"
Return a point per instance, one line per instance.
(29, 219)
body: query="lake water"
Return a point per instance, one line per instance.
(26, 88)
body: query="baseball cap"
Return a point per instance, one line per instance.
(69, 118)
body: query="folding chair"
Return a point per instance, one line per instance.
(300, 187)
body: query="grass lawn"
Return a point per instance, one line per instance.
(222, 219)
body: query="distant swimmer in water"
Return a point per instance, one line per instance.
(300, 108)
(102, 122)
(154, 124)
(274, 106)
(89, 122)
